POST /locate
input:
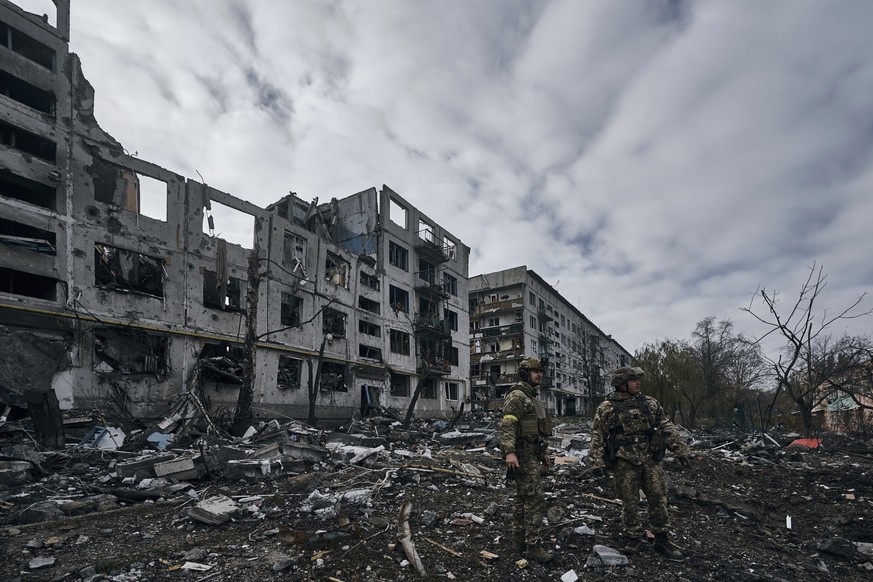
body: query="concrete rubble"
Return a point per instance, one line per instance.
(302, 489)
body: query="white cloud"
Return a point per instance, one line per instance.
(660, 159)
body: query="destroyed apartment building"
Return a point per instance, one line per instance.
(515, 313)
(116, 295)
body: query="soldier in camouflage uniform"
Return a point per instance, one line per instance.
(631, 432)
(523, 433)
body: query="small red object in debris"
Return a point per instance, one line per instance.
(808, 443)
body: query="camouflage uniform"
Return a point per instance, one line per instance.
(523, 431)
(643, 431)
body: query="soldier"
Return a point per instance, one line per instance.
(523, 433)
(631, 432)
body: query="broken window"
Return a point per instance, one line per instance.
(336, 270)
(398, 298)
(27, 237)
(428, 389)
(27, 284)
(399, 384)
(451, 390)
(399, 342)
(28, 142)
(126, 189)
(369, 352)
(397, 213)
(368, 328)
(130, 352)
(294, 254)
(222, 362)
(233, 225)
(333, 322)
(452, 318)
(449, 246)
(27, 94)
(475, 370)
(26, 190)
(450, 284)
(26, 46)
(371, 281)
(474, 325)
(427, 272)
(369, 305)
(288, 377)
(222, 294)
(333, 377)
(398, 256)
(453, 356)
(129, 271)
(291, 304)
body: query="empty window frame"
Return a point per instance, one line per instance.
(288, 375)
(369, 305)
(294, 254)
(426, 232)
(28, 142)
(123, 270)
(399, 342)
(398, 214)
(26, 190)
(222, 362)
(371, 281)
(369, 352)
(27, 284)
(399, 384)
(333, 377)
(233, 225)
(493, 321)
(26, 237)
(475, 370)
(336, 270)
(368, 328)
(224, 294)
(427, 272)
(452, 318)
(27, 94)
(333, 322)
(428, 389)
(290, 310)
(450, 284)
(130, 352)
(398, 256)
(450, 247)
(26, 46)
(398, 298)
(451, 390)
(453, 356)
(474, 325)
(532, 298)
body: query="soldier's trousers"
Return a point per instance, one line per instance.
(529, 505)
(650, 477)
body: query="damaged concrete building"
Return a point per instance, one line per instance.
(514, 314)
(114, 289)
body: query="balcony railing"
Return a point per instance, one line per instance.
(433, 367)
(429, 246)
(432, 325)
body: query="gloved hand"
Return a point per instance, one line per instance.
(686, 460)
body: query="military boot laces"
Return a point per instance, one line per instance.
(664, 547)
(538, 553)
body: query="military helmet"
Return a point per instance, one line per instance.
(531, 364)
(625, 373)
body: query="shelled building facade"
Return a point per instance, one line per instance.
(515, 314)
(114, 288)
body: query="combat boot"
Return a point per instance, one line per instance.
(632, 545)
(538, 553)
(664, 547)
(517, 543)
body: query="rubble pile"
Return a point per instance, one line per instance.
(374, 500)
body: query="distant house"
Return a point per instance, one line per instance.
(846, 403)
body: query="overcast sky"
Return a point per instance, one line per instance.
(654, 161)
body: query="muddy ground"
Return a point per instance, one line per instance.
(729, 515)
